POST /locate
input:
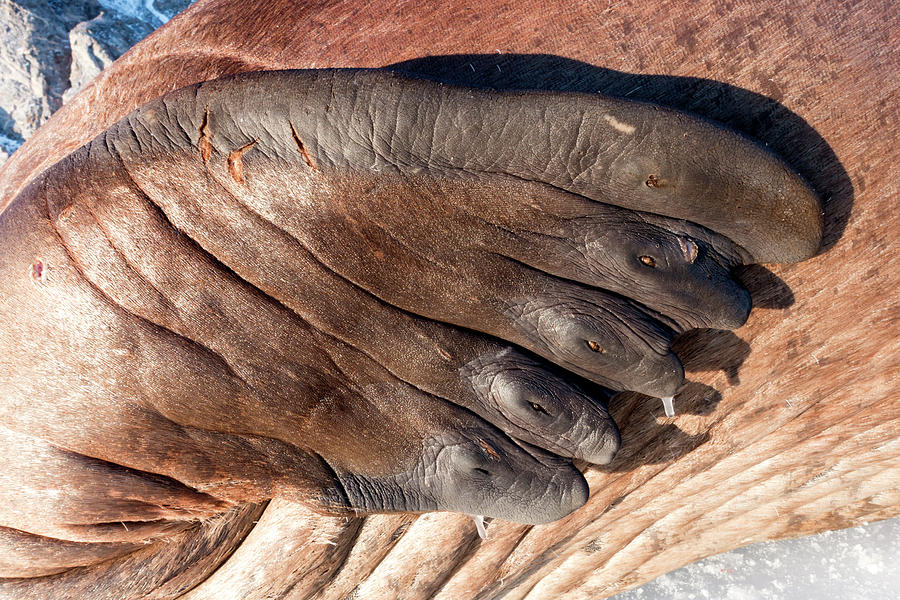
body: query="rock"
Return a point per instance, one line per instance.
(50, 49)
(98, 42)
(9, 139)
(103, 39)
(152, 12)
(34, 61)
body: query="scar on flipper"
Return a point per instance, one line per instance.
(203, 144)
(302, 149)
(236, 163)
(619, 125)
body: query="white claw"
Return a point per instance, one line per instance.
(668, 406)
(479, 525)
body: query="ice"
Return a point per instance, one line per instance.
(850, 564)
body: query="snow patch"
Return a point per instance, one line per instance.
(850, 564)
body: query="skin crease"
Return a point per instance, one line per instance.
(294, 284)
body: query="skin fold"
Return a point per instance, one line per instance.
(362, 292)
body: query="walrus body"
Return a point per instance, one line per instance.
(356, 290)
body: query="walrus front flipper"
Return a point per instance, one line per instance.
(322, 154)
(363, 292)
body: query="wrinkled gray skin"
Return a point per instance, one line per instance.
(357, 290)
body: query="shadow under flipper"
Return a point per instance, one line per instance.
(647, 441)
(766, 289)
(758, 116)
(644, 440)
(712, 350)
(761, 117)
(695, 398)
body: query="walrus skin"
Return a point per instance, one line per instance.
(359, 291)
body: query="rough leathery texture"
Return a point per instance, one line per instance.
(291, 307)
(624, 153)
(360, 122)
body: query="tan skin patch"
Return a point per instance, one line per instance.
(203, 144)
(236, 162)
(302, 149)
